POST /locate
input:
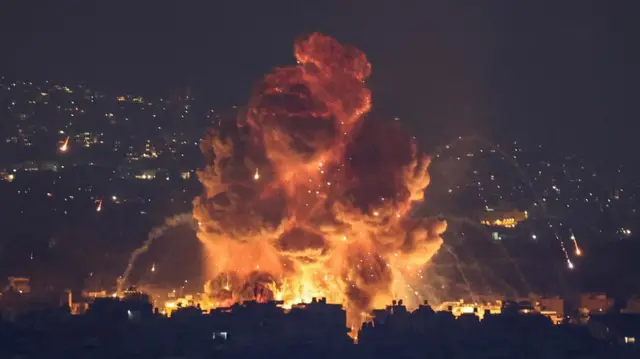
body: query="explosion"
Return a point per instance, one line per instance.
(305, 198)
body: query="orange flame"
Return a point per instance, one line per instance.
(330, 214)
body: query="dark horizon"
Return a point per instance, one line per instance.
(562, 71)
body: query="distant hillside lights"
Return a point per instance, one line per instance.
(146, 175)
(459, 307)
(506, 222)
(149, 151)
(625, 232)
(503, 219)
(29, 166)
(128, 98)
(87, 139)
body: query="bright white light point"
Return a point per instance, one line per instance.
(376, 213)
(256, 176)
(534, 236)
(569, 264)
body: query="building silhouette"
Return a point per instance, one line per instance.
(128, 326)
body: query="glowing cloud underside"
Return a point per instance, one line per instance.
(303, 198)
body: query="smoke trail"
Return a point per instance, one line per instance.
(159, 231)
(464, 276)
(523, 176)
(475, 224)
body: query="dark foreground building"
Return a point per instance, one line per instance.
(129, 328)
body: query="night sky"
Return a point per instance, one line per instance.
(566, 71)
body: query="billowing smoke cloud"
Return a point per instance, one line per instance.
(304, 198)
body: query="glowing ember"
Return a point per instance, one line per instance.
(570, 264)
(330, 214)
(65, 145)
(578, 251)
(99, 208)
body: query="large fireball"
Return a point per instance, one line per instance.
(304, 198)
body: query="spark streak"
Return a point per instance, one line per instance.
(65, 145)
(578, 251)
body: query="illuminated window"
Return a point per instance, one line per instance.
(629, 340)
(221, 335)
